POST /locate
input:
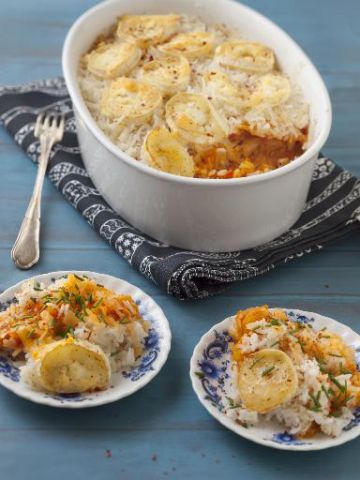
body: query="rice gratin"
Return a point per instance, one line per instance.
(193, 99)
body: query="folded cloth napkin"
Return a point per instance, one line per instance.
(331, 211)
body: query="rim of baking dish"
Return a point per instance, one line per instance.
(81, 108)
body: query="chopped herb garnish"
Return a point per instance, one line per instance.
(342, 388)
(69, 331)
(316, 401)
(295, 330)
(302, 345)
(80, 316)
(79, 300)
(275, 343)
(125, 321)
(267, 371)
(336, 413)
(98, 303)
(343, 370)
(322, 365)
(335, 355)
(325, 391)
(232, 404)
(201, 375)
(243, 424)
(115, 353)
(256, 361)
(257, 328)
(231, 401)
(275, 321)
(79, 278)
(31, 334)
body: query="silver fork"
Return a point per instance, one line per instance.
(49, 128)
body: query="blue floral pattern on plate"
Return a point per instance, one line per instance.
(285, 438)
(355, 422)
(213, 368)
(151, 351)
(9, 369)
(70, 397)
(299, 317)
(7, 303)
(212, 383)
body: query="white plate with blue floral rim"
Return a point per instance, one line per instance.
(209, 373)
(156, 349)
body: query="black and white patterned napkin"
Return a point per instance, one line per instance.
(331, 210)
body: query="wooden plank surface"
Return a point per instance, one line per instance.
(162, 431)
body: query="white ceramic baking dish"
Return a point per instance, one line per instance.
(199, 214)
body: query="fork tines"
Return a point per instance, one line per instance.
(50, 122)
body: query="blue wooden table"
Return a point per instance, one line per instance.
(162, 431)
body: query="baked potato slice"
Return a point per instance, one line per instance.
(70, 366)
(266, 380)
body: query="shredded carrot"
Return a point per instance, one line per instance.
(46, 315)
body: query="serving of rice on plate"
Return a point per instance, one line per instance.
(284, 378)
(79, 339)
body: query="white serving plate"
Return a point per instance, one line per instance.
(122, 384)
(192, 213)
(211, 357)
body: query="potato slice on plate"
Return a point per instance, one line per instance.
(266, 380)
(70, 366)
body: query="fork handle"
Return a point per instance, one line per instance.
(26, 250)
